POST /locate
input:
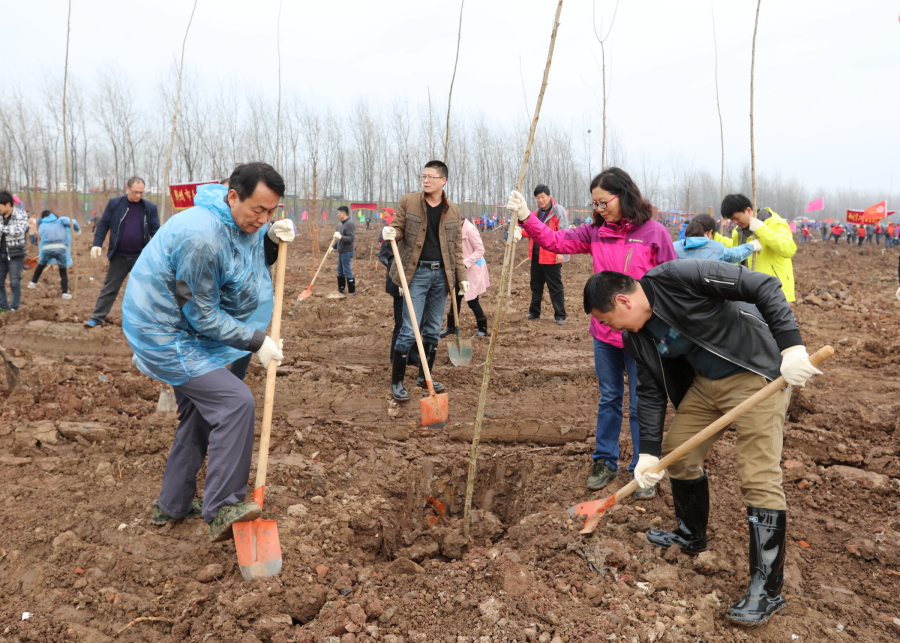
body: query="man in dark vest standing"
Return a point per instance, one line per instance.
(131, 221)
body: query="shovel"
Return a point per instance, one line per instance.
(435, 408)
(306, 293)
(460, 349)
(594, 509)
(258, 547)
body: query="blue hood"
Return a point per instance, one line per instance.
(695, 242)
(212, 197)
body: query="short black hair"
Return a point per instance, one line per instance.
(601, 289)
(700, 225)
(133, 180)
(6, 198)
(247, 176)
(734, 203)
(344, 209)
(634, 207)
(46, 213)
(542, 189)
(440, 166)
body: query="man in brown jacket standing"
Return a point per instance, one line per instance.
(428, 231)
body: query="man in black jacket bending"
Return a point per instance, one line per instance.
(707, 335)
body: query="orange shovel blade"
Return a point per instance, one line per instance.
(306, 293)
(435, 410)
(258, 548)
(593, 510)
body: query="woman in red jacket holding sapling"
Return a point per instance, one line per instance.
(622, 237)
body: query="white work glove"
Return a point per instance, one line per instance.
(897, 294)
(336, 235)
(757, 246)
(754, 224)
(269, 351)
(79, 231)
(796, 367)
(282, 230)
(644, 479)
(96, 251)
(517, 205)
(463, 287)
(389, 233)
(517, 235)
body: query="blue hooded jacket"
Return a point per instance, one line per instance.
(56, 234)
(704, 248)
(200, 295)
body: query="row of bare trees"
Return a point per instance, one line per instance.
(367, 151)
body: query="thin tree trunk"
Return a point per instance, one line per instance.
(501, 298)
(164, 197)
(430, 129)
(278, 119)
(719, 108)
(752, 77)
(69, 202)
(603, 62)
(453, 80)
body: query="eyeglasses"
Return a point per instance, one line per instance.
(602, 205)
(430, 177)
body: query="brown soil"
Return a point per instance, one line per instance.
(369, 505)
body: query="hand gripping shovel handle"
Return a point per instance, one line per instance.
(269, 403)
(412, 318)
(595, 509)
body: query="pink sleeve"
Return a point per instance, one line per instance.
(562, 242)
(665, 249)
(478, 247)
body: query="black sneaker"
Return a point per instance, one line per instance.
(530, 316)
(560, 320)
(645, 494)
(601, 474)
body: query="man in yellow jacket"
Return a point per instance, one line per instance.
(772, 232)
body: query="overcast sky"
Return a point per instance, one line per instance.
(827, 73)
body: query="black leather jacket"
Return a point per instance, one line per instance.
(734, 312)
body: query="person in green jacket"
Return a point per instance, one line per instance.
(772, 232)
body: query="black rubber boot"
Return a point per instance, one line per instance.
(482, 327)
(341, 283)
(430, 352)
(351, 286)
(398, 370)
(446, 332)
(691, 500)
(763, 597)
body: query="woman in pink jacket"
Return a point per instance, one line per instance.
(622, 237)
(479, 279)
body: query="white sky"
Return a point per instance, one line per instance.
(827, 73)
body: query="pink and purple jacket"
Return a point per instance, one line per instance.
(621, 246)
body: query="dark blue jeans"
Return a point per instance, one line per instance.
(428, 291)
(611, 364)
(345, 265)
(12, 267)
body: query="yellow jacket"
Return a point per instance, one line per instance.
(778, 247)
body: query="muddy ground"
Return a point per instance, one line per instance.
(369, 505)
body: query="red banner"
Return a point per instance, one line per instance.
(363, 206)
(183, 193)
(869, 215)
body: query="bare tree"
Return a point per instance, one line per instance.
(752, 77)
(163, 207)
(453, 80)
(719, 107)
(605, 96)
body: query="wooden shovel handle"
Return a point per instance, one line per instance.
(269, 403)
(412, 317)
(321, 263)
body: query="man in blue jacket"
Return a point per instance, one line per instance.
(199, 298)
(131, 221)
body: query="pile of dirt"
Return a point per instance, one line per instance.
(369, 505)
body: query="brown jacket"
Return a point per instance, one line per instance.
(411, 223)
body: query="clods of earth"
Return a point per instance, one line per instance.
(369, 505)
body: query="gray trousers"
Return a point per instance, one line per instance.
(119, 267)
(217, 414)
